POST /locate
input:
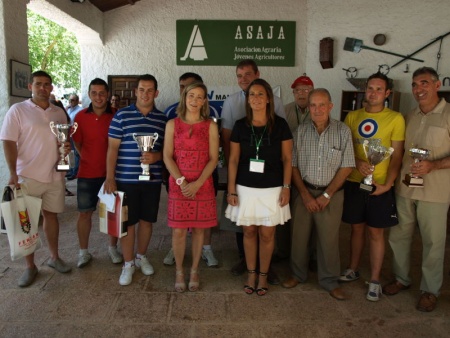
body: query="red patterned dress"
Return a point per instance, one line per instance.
(191, 154)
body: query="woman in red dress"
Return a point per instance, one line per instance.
(191, 151)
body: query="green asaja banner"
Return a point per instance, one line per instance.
(226, 42)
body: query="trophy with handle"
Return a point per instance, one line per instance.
(418, 154)
(375, 154)
(62, 135)
(145, 143)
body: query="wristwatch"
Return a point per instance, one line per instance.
(326, 195)
(180, 180)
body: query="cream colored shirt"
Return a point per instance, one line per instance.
(294, 116)
(430, 131)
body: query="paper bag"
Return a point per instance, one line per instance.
(21, 216)
(114, 223)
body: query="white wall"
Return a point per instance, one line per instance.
(13, 45)
(408, 25)
(141, 39)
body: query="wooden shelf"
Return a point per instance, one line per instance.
(356, 96)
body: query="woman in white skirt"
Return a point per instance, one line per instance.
(259, 177)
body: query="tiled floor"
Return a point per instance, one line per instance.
(89, 302)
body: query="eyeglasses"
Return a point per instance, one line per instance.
(297, 91)
(72, 100)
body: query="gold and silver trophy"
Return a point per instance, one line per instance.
(145, 143)
(63, 133)
(375, 153)
(418, 154)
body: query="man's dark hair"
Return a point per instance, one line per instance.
(148, 77)
(40, 73)
(248, 62)
(188, 75)
(426, 70)
(381, 76)
(99, 82)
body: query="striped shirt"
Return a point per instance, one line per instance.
(125, 123)
(319, 157)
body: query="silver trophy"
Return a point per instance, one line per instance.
(145, 143)
(375, 153)
(418, 154)
(62, 135)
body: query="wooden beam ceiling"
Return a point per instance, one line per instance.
(107, 5)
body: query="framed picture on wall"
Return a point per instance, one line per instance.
(20, 76)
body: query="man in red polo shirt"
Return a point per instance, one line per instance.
(91, 141)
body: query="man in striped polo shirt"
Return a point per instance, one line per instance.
(124, 167)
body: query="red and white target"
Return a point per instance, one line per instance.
(368, 128)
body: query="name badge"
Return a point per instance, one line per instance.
(256, 166)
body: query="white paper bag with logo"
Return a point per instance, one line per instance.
(21, 216)
(112, 223)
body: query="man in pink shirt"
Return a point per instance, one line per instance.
(31, 152)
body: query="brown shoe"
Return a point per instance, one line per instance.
(394, 287)
(427, 302)
(290, 283)
(338, 293)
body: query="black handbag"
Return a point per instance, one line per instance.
(8, 195)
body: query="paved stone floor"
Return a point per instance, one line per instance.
(89, 302)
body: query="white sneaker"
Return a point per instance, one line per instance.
(83, 260)
(115, 255)
(208, 256)
(170, 258)
(145, 266)
(374, 292)
(127, 275)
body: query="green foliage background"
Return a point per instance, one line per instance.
(55, 50)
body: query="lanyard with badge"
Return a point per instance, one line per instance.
(257, 165)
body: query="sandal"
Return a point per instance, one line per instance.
(261, 291)
(193, 286)
(247, 288)
(180, 286)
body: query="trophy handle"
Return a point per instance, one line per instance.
(155, 135)
(52, 126)
(74, 129)
(134, 136)
(388, 153)
(365, 145)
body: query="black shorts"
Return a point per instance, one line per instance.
(87, 191)
(361, 207)
(142, 201)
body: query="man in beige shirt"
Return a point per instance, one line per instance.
(428, 127)
(297, 111)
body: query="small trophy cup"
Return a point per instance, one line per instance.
(62, 135)
(418, 154)
(145, 143)
(375, 153)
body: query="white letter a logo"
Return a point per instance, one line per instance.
(195, 49)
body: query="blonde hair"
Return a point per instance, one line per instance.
(181, 109)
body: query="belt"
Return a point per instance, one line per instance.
(313, 186)
(318, 187)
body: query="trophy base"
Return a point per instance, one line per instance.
(413, 182)
(367, 187)
(144, 178)
(62, 167)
